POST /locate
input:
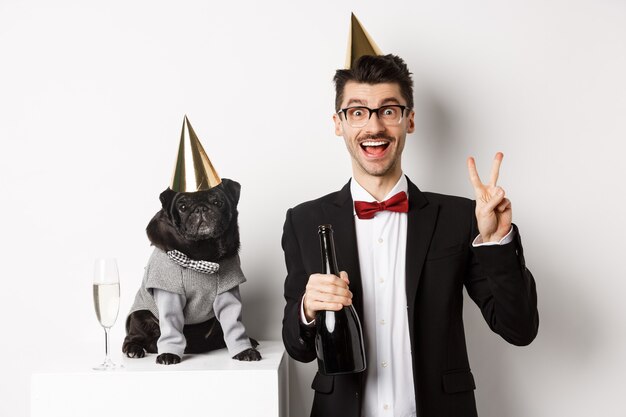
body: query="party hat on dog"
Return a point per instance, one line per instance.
(359, 43)
(193, 170)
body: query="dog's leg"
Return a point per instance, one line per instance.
(142, 332)
(228, 310)
(171, 343)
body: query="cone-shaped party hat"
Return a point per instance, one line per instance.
(193, 170)
(359, 43)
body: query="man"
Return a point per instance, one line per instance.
(407, 269)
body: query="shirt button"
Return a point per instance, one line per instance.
(383, 364)
(382, 322)
(381, 279)
(386, 407)
(380, 240)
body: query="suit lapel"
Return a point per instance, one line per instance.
(341, 211)
(421, 220)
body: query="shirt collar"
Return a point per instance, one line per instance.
(360, 194)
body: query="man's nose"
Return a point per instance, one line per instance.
(374, 124)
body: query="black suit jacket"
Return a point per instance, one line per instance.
(440, 261)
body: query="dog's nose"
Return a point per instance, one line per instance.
(200, 209)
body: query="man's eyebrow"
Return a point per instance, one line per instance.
(356, 101)
(361, 102)
(390, 100)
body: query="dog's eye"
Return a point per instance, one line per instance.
(218, 203)
(182, 207)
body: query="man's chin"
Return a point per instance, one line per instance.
(379, 171)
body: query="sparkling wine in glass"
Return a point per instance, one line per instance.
(106, 300)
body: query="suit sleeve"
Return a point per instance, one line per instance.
(504, 289)
(299, 339)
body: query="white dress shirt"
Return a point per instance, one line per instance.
(381, 243)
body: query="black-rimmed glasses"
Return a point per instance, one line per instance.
(359, 116)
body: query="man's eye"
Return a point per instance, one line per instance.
(357, 113)
(389, 111)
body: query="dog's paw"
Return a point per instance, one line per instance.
(167, 359)
(134, 351)
(248, 355)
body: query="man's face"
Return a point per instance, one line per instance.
(376, 148)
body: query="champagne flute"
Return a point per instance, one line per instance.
(106, 299)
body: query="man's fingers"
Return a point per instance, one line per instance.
(330, 290)
(319, 306)
(473, 174)
(493, 177)
(328, 279)
(334, 290)
(504, 205)
(324, 297)
(495, 169)
(326, 292)
(329, 285)
(312, 306)
(496, 197)
(344, 276)
(314, 297)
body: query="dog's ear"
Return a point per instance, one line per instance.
(167, 197)
(232, 188)
(162, 233)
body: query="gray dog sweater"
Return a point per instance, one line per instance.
(186, 296)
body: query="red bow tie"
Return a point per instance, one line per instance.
(398, 203)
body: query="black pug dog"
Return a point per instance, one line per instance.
(180, 309)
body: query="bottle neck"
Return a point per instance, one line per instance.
(329, 259)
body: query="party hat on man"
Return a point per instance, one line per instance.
(193, 170)
(359, 43)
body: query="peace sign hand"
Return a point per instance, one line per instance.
(493, 210)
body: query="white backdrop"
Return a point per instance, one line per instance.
(92, 96)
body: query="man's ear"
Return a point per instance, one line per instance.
(338, 125)
(232, 188)
(411, 122)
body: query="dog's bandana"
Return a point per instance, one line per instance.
(183, 260)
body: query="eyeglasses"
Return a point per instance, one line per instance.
(390, 115)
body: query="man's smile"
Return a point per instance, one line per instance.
(374, 148)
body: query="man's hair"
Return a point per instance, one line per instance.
(376, 69)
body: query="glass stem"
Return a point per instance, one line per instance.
(106, 345)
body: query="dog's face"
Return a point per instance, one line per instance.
(203, 214)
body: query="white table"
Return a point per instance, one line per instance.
(210, 384)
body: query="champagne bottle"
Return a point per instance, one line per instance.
(339, 338)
